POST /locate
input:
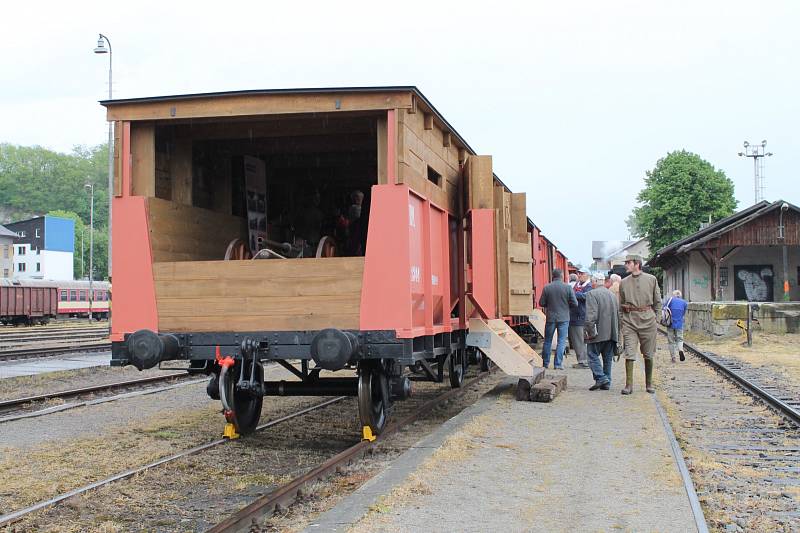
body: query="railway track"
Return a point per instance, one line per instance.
(740, 434)
(47, 341)
(342, 453)
(18, 404)
(246, 518)
(49, 351)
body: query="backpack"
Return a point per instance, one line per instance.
(666, 315)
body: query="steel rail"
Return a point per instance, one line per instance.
(749, 386)
(33, 353)
(688, 485)
(93, 388)
(286, 494)
(15, 516)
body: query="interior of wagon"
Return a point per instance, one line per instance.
(288, 187)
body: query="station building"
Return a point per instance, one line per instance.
(747, 264)
(44, 248)
(7, 238)
(750, 256)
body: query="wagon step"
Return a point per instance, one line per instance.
(502, 345)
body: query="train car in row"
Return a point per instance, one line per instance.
(326, 230)
(29, 302)
(25, 303)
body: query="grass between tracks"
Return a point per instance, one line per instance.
(46, 470)
(779, 352)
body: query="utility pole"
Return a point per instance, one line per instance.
(757, 152)
(90, 186)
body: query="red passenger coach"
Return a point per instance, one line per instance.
(322, 229)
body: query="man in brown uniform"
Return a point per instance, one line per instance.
(640, 303)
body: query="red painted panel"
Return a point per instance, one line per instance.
(134, 290)
(386, 290)
(418, 269)
(484, 287)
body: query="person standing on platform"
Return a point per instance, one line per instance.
(557, 299)
(616, 279)
(677, 307)
(573, 280)
(640, 302)
(602, 331)
(577, 316)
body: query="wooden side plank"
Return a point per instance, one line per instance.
(143, 160)
(519, 218)
(479, 187)
(270, 294)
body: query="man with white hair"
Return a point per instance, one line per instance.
(602, 331)
(677, 308)
(577, 316)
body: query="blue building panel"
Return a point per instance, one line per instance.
(59, 234)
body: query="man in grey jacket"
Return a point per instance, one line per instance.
(602, 331)
(557, 298)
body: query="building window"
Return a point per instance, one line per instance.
(434, 177)
(63, 296)
(21, 233)
(723, 276)
(5, 251)
(38, 267)
(20, 250)
(73, 296)
(5, 272)
(20, 267)
(37, 233)
(38, 251)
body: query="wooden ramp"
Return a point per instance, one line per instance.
(537, 320)
(503, 346)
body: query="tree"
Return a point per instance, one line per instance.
(681, 192)
(35, 181)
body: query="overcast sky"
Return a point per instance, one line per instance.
(574, 100)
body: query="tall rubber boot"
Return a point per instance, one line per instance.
(628, 377)
(648, 375)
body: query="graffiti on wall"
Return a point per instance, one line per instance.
(701, 282)
(753, 283)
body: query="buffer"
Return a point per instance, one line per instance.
(502, 345)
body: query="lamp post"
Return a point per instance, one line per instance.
(757, 152)
(90, 186)
(102, 40)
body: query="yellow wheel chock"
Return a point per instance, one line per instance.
(366, 432)
(230, 432)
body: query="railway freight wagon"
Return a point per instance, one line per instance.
(347, 230)
(23, 302)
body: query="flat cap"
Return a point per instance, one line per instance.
(634, 257)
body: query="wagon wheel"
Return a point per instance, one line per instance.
(373, 397)
(458, 367)
(240, 408)
(237, 250)
(326, 247)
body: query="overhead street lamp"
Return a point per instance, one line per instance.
(757, 152)
(90, 186)
(102, 40)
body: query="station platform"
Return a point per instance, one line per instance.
(588, 461)
(40, 365)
